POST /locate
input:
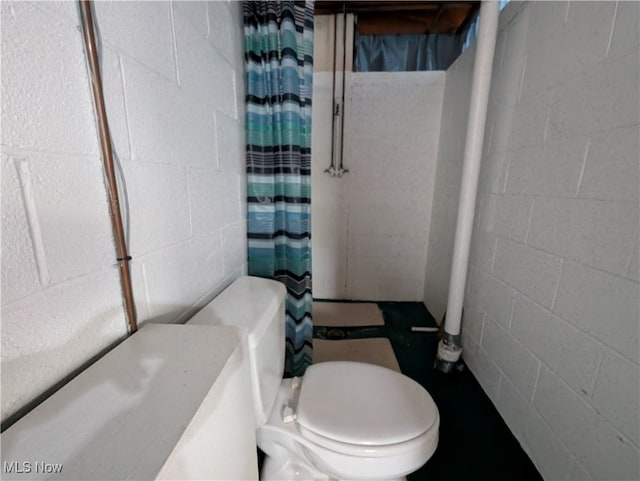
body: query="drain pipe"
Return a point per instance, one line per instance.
(450, 346)
(123, 257)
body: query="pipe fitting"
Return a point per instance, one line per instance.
(449, 352)
(452, 340)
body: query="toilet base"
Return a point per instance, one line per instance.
(289, 469)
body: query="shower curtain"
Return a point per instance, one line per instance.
(278, 37)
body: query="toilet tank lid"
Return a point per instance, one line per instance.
(124, 415)
(358, 403)
(249, 302)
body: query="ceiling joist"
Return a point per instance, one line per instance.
(403, 17)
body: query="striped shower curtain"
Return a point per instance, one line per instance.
(278, 37)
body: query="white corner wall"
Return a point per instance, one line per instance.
(551, 311)
(173, 75)
(391, 145)
(446, 190)
(369, 226)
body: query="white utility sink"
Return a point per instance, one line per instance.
(170, 402)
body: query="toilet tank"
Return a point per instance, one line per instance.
(169, 402)
(257, 305)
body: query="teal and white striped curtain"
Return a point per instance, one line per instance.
(278, 38)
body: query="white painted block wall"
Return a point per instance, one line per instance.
(448, 172)
(369, 226)
(329, 205)
(174, 86)
(391, 145)
(551, 310)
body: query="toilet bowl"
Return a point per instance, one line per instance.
(349, 420)
(341, 420)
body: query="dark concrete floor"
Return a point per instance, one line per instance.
(475, 443)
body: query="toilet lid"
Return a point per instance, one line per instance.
(358, 403)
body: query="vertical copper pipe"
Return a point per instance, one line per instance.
(107, 158)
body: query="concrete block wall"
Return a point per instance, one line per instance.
(551, 310)
(446, 190)
(369, 226)
(174, 86)
(329, 205)
(391, 144)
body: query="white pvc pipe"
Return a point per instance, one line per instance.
(489, 14)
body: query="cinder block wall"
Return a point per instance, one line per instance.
(369, 226)
(551, 309)
(446, 190)
(174, 84)
(391, 149)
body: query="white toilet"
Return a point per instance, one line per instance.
(341, 420)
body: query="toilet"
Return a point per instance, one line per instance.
(341, 420)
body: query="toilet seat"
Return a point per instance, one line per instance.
(362, 407)
(382, 451)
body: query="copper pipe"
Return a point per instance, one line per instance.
(123, 257)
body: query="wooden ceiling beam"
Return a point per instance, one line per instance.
(403, 17)
(331, 6)
(365, 6)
